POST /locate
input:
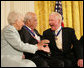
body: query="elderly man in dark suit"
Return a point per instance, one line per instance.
(30, 35)
(12, 47)
(61, 41)
(80, 51)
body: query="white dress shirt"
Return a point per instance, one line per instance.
(59, 38)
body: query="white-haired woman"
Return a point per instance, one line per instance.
(12, 47)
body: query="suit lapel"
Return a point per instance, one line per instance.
(36, 32)
(30, 34)
(53, 38)
(63, 37)
(53, 35)
(27, 32)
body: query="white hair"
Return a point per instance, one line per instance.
(28, 16)
(58, 15)
(13, 16)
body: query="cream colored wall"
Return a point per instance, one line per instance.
(19, 6)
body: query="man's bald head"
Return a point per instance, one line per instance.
(28, 16)
(30, 20)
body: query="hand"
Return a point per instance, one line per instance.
(80, 62)
(45, 49)
(41, 44)
(45, 41)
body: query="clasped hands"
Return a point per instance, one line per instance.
(43, 45)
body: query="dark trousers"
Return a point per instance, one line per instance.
(39, 61)
(61, 62)
(57, 61)
(42, 61)
(54, 62)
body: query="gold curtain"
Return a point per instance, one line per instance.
(73, 16)
(43, 9)
(72, 13)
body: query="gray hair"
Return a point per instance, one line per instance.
(28, 16)
(58, 15)
(13, 16)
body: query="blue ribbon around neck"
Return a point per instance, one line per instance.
(58, 32)
(29, 30)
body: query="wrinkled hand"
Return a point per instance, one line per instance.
(45, 41)
(46, 49)
(80, 63)
(41, 44)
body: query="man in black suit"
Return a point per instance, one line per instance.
(80, 52)
(61, 41)
(30, 35)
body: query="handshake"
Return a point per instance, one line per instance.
(43, 45)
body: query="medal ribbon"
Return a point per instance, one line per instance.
(29, 30)
(33, 35)
(58, 32)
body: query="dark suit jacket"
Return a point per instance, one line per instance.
(81, 41)
(68, 38)
(27, 38)
(81, 47)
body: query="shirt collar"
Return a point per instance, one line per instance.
(28, 27)
(58, 29)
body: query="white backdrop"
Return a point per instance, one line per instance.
(19, 6)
